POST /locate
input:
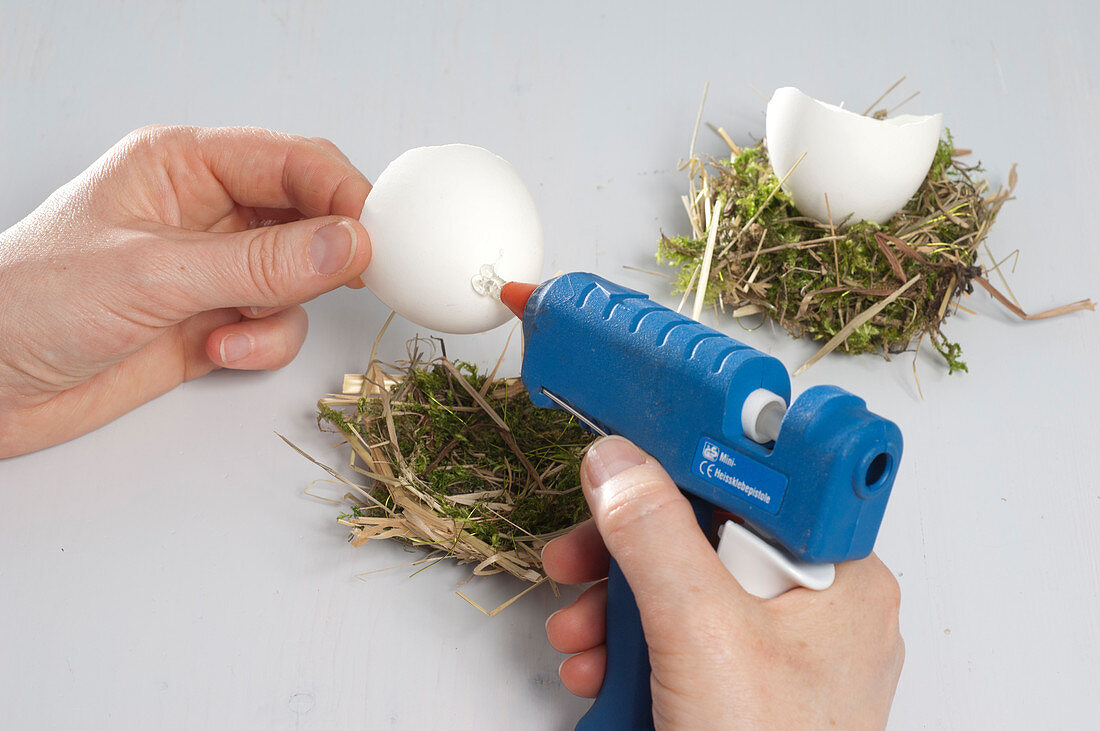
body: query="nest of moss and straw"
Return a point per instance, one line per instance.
(864, 288)
(460, 464)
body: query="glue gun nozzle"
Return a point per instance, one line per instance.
(515, 295)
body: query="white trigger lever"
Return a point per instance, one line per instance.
(762, 569)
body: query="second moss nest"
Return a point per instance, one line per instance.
(863, 288)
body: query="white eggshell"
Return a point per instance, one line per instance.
(436, 216)
(869, 168)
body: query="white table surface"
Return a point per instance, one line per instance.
(167, 571)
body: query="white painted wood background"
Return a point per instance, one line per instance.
(167, 571)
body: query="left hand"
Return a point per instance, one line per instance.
(181, 250)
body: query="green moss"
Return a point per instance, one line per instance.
(454, 447)
(950, 353)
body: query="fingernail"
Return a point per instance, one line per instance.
(332, 248)
(260, 311)
(234, 347)
(610, 456)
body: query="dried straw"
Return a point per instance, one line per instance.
(457, 463)
(877, 289)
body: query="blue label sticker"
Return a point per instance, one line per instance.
(739, 474)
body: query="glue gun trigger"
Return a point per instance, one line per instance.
(764, 570)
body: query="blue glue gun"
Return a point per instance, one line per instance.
(808, 481)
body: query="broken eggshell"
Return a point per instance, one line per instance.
(869, 168)
(438, 218)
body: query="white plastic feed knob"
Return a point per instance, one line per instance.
(762, 414)
(437, 217)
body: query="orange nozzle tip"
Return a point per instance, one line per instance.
(515, 295)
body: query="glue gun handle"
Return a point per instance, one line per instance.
(624, 701)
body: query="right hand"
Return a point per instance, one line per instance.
(720, 657)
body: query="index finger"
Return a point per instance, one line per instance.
(577, 557)
(265, 169)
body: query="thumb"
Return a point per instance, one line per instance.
(648, 526)
(274, 266)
